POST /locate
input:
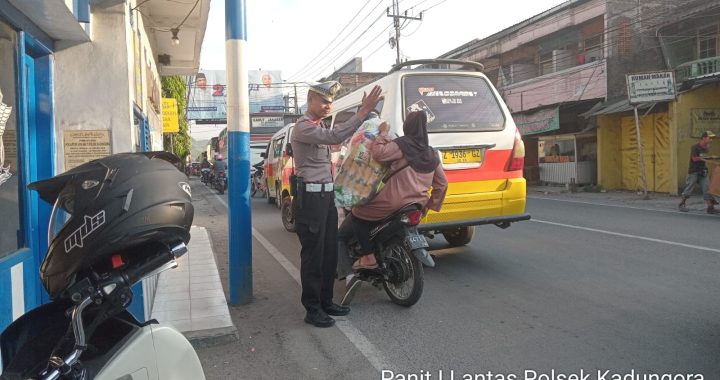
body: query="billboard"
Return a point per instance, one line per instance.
(207, 96)
(265, 88)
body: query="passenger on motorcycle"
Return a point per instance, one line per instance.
(414, 167)
(220, 165)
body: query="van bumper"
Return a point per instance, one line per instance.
(500, 221)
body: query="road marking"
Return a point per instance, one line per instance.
(362, 343)
(621, 206)
(628, 236)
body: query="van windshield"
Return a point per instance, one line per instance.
(454, 102)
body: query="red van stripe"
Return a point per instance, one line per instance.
(492, 168)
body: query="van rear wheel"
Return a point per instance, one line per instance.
(460, 236)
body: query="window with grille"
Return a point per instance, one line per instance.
(708, 41)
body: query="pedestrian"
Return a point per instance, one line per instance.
(698, 174)
(316, 218)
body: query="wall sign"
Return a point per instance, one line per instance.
(704, 119)
(84, 146)
(170, 115)
(650, 87)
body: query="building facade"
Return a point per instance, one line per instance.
(80, 79)
(563, 75)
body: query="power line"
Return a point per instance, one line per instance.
(334, 39)
(334, 58)
(322, 57)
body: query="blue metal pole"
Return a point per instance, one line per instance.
(238, 126)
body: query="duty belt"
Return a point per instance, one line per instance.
(318, 187)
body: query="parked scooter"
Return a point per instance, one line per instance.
(117, 229)
(401, 251)
(219, 182)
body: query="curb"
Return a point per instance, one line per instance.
(212, 337)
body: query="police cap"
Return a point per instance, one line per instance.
(327, 90)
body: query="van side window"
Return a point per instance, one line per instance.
(345, 115)
(277, 147)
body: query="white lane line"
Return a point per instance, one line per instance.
(628, 236)
(621, 206)
(362, 343)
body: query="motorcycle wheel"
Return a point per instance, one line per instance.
(220, 188)
(405, 276)
(288, 219)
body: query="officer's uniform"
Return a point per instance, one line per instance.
(314, 205)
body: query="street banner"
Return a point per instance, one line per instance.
(650, 87)
(265, 90)
(541, 121)
(170, 115)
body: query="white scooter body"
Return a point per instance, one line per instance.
(154, 352)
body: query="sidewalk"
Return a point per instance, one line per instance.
(191, 298)
(620, 198)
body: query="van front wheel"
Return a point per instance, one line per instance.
(288, 219)
(459, 236)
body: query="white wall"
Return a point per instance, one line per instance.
(92, 83)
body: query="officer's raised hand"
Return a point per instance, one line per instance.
(369, 101)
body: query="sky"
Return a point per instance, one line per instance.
(308, 39)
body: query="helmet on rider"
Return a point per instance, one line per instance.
(219, 157)
(112, 206)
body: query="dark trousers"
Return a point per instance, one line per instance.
(316, 222)
(361, 228)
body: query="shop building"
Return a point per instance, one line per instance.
(682, 38)
(80, 79)
(549, 69)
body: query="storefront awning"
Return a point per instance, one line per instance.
(616, 107)
(55, 19)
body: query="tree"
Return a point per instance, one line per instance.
(178, 143)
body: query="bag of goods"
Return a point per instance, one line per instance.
(715, 182)
(358, 175)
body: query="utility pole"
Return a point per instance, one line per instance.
(238, 127)
(396, 23)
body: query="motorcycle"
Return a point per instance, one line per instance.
(256, 180)
(205, 175)
(219, 182)
(401, 251)
(86, 332)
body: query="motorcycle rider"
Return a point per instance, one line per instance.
(205, 166)
(414, 167)
(220, 165)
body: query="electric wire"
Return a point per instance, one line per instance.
(322, 57)
(336, 37)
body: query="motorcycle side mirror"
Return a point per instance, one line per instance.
(288, 150)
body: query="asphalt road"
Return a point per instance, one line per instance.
(581, 287)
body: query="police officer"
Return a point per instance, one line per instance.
(314, 205)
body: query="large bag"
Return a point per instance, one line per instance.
(358, 175)
(715, 182)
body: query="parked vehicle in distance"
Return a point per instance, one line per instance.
(278, 168)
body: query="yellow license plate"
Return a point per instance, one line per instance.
(461, 156)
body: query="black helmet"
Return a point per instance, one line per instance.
(116, 203)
